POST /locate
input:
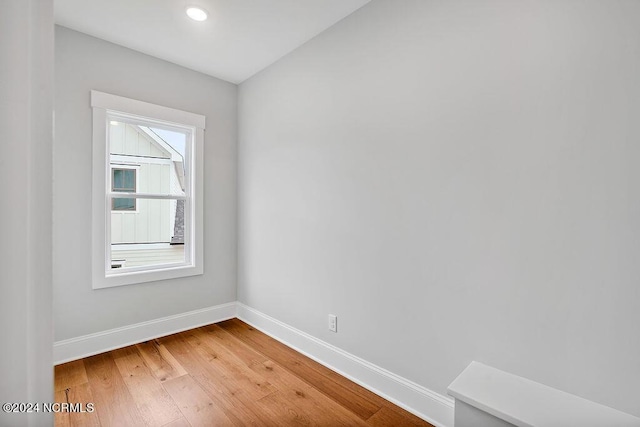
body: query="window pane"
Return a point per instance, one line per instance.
(153, 235)
(157, 155)
(124, 204)
(123, 179)
(118, 181)
(129, 179)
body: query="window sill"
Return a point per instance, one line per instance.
(134, 277)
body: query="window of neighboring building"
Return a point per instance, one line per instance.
(123, 181)
(147, 191)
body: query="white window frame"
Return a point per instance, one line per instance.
(104, 106)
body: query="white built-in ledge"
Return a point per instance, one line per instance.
(486, 396)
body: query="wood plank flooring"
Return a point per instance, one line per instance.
(227, 374)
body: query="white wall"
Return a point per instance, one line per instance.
(83, 63)
(26, 134)
(456, 181)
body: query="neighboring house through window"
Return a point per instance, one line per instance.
(147, 188)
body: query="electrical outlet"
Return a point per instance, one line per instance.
(333, 323)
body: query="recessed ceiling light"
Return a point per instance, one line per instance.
(196, 13)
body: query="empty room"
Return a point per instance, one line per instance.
(320, 213)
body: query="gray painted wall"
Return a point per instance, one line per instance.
(26, 136)
(456, 181)
(83, 63)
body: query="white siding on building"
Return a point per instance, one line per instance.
(143, 257)
(153, 220)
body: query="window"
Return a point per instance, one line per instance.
(124, 181)
(147, 191)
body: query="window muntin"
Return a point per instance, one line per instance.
(147, 158)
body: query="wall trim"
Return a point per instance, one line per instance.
(413, 397)
(99, 342)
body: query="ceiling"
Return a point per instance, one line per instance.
(240, 38)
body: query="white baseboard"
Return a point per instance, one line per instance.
(426, 404)
(88, 345)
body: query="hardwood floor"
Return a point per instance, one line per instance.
(227, 374)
